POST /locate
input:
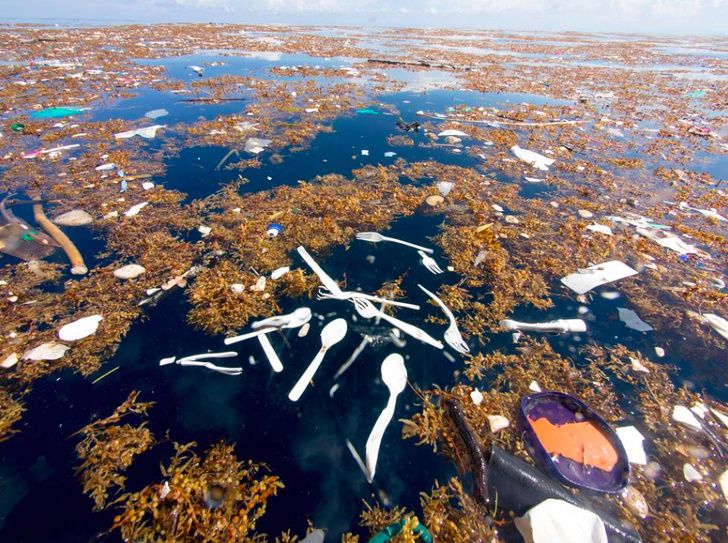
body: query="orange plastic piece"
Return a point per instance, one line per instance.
(582, 442)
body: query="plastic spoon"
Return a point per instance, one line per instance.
(293, 320)
(331, 334)
(270, 353)
(394, 375)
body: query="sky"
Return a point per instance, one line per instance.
(697, 17)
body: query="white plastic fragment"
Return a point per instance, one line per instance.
(498, 208)
(691, 474)
(720, 416)
(134, 210)
(534, 159)
(632, 439)
(80, 329)
(164, 491)
(659, 351)
(390, 154)
(156, 113)
(148, 132)
(147, 185)
(167, 360)
(279, 272)
(638, 366)
(9, 361)
(554, 521)
(204, 230)
(585, 214)
(602, 229)
(669, 241)
(498, 422)
(723, 482)
(105, 167)
(256, 145)
(718, 323)
(130, 271)
(303, 332)
(317, 536)
(599, 274)
(534, 387)
(682, 414)
(476, 396)
(46, 351)
(365, 152)
(632, 320)
(533, 179)
(259, 285)
(454, 133)
(75, 217)
(445, 187)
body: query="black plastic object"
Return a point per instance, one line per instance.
(517, 486)
(561, 409)
(408, 127)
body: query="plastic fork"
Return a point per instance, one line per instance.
(430, 263)
(452, 334)
(325, 294)
(376, 237)
(211, 366)
(368, 311)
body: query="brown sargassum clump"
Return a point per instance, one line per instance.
(210, 499)
(108, 449)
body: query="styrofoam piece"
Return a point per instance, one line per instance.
(455, 133)
(633, 321)
(554, 521)
(536, 160)
(600, 274)
(148, 132)
(632, 439)
(80, 329)
(46, 351)
(718, 323)
(682, 414)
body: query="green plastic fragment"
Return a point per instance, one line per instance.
(17, 127)
(55, 112)
(367, 111)
(393, 529)
(696, 94)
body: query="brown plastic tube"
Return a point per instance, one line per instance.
(78, 266)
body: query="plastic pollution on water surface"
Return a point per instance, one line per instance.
(156, 113)
(633, 321)
(536, 160)
(573, 443)
(554, 521)
(148, 132)
(599, 274)
(273, 230)
(57, 112)
(394, 376)
(80, 329)
(632, 440)
(560, 326)
(256, 145)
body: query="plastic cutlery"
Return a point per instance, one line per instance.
(324, 294)
(561, 326)
(331, 334)
(270, 353)
(394, 375)
(368, 311)
(292, 320)
(453, 337)
(429, 263)
(376, 237)
(211, 366)
(326, 280)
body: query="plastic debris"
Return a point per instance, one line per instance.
(148, 132)
(723, 482)
(135, 209)
(445, 187)
(602, 229)
(536, 160)
(691, 474)
(561, 326)
(682, 414)
(80, 329)
(394, 376)
(9, 361)
(718, 323)
(57, 112)
(498, 422)
(476, 396)
(76, 217)
(130, 271)
(556, 520)
(599, 274)
(273, 230)
(452, 133)
(434, 200)
(46, 351)
(317, 536)
(256, 145)
(632, 441)
(279, 272)
(633, 321)
(156, 113)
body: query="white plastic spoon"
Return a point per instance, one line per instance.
(331, 334)
(394, 375)
(270, 353)
(292, 320)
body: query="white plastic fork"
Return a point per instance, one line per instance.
(453, 337)
(429, 263)
(368, 311)
(211, 366)
(325, 294)
(376, 237)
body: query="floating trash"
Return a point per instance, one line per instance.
(130, 271)
(76, 217)
(80, 329)
(46, 351)
(273, 230)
